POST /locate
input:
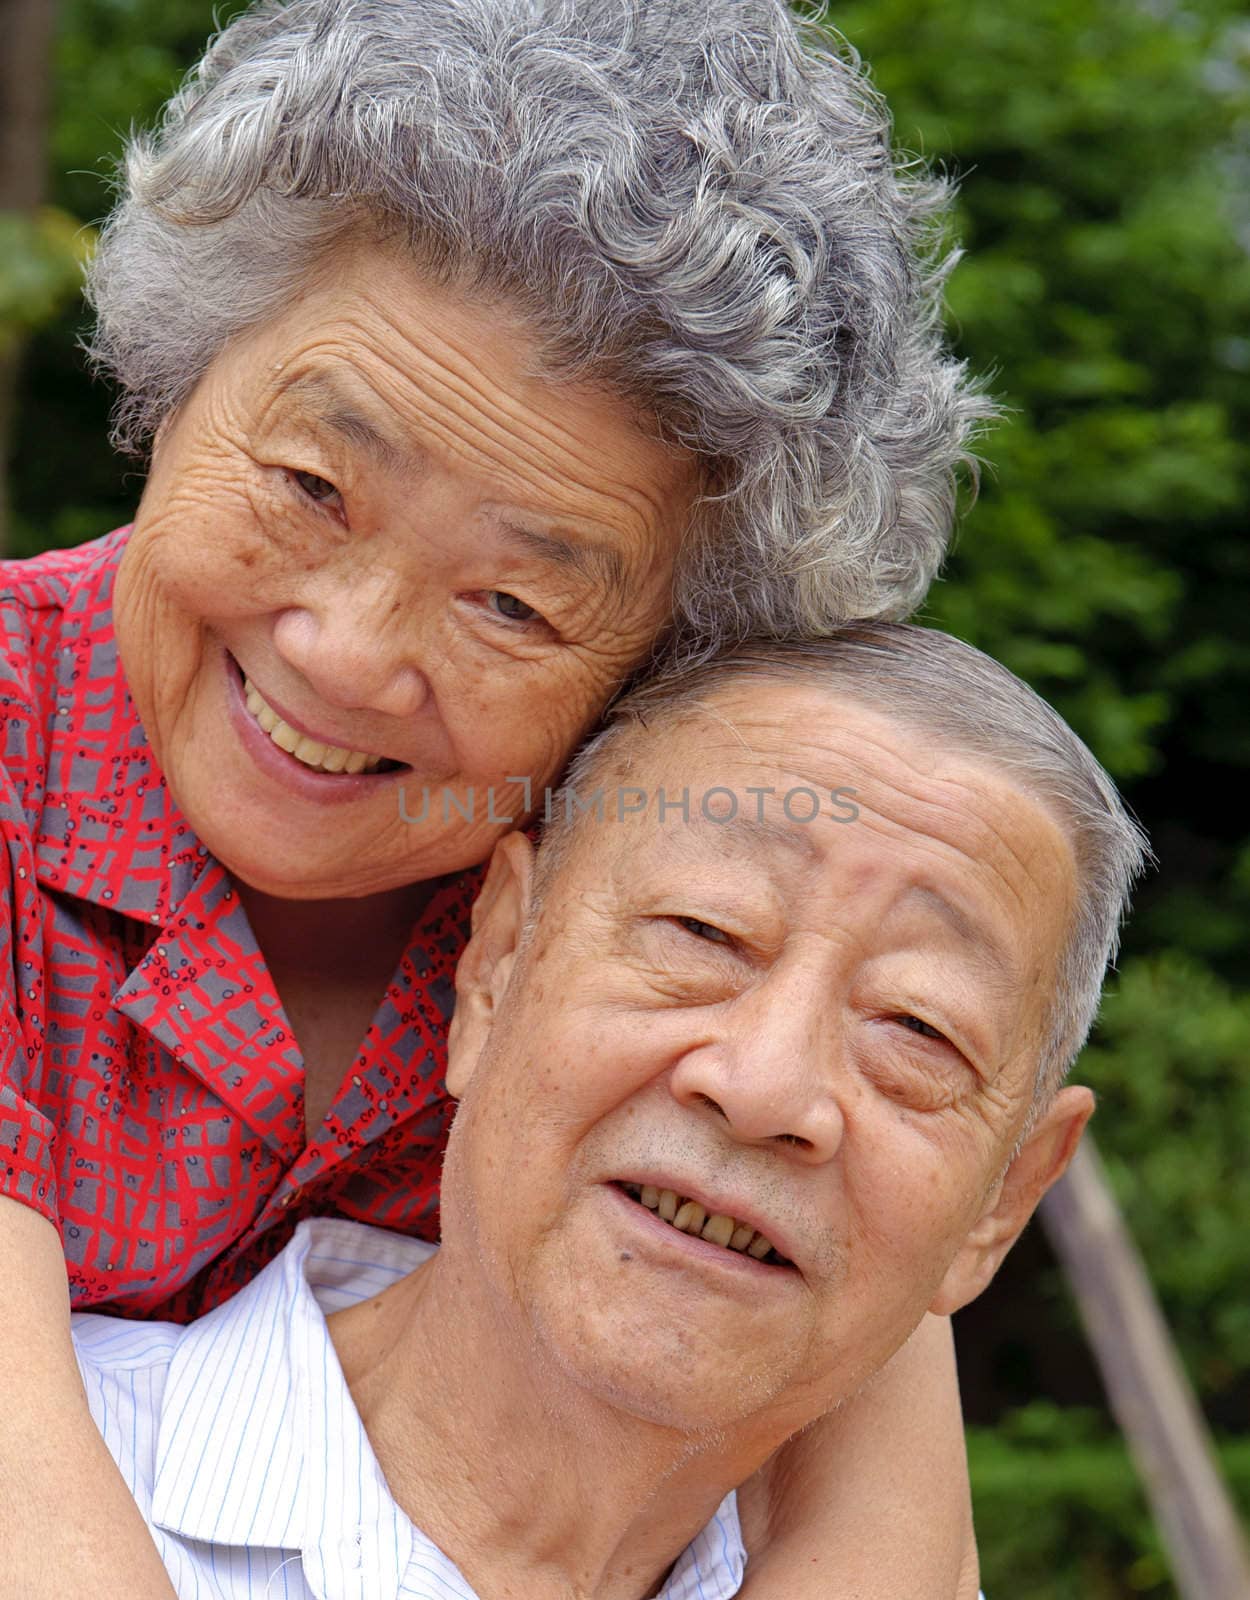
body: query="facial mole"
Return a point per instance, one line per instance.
(625, 1255)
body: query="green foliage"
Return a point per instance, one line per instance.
(117, 61)
(1169, 1065)
(1060, 1513)
(1106, 292)
(41, 261)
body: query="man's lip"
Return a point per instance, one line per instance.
(331, 742)
(736, 1263)
(718, 1203)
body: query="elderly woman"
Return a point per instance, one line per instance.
(488, 351)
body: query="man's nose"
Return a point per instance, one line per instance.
(772, 1075)
(357, 646)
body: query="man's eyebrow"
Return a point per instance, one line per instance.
(966, 929)
(742, 828)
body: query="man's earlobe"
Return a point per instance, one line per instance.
(1041, 1160)
(499, 916)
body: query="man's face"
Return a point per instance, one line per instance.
(826, 1031)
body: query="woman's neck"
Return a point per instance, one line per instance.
(327, 938)
(331, 962)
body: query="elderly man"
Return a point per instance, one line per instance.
(753, 1073)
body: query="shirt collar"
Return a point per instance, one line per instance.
(712, 1565)
(109, 832)
(260, 1442)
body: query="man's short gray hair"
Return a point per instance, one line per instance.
(692, 202)
(964, 701)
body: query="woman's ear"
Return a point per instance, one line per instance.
(1040, 1161)
(499, 917)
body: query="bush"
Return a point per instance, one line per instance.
(1060, 1513)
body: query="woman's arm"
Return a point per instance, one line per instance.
(872, 1503)
(68, 1525)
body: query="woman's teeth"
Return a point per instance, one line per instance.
(689, 1217)
(321, 757)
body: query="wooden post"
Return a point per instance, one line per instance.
(1146, 1384)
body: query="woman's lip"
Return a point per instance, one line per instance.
(300, 780)
(700, 1250)
(331, 743)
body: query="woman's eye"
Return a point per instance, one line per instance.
(925, 1029)
(507, 605)
(316, 488)
(703, 930)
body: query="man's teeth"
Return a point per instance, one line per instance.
(322, 757)
(689, 1217)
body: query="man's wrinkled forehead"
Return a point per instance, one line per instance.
(758, 764)
(785, 774)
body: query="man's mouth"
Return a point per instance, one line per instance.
(688, 1216)
(311, 752)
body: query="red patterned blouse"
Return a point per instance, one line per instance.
(150, 1088)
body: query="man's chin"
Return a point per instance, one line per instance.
(673, 1374)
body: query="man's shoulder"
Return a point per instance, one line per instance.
(344, 1262)
(116, 1344)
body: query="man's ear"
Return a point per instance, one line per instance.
(1040, 1161)
(499, 915)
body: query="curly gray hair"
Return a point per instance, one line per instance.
(692, 202)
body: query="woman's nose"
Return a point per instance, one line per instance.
(355, 651)
(770, 1077)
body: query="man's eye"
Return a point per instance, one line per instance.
(925, 1029)
(507, 605)
(702, 930)
(316, 488)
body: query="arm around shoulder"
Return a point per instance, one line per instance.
(872, 1501)
(68, 1524)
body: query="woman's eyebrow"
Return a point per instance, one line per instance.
(332, 406)
(597, 562)
(325, 400)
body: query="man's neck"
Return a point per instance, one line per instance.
(533, 1487)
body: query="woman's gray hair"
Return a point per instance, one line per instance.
(961, 700)
(693, 203)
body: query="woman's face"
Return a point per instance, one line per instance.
(377, 530)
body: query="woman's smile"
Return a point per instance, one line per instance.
(321, 756)
(287, 751)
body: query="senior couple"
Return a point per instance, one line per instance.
(493, 357)
(742, 1098)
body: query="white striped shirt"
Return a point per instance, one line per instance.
(240, 1442)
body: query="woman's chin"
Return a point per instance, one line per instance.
(287, 864)
(306, 880)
